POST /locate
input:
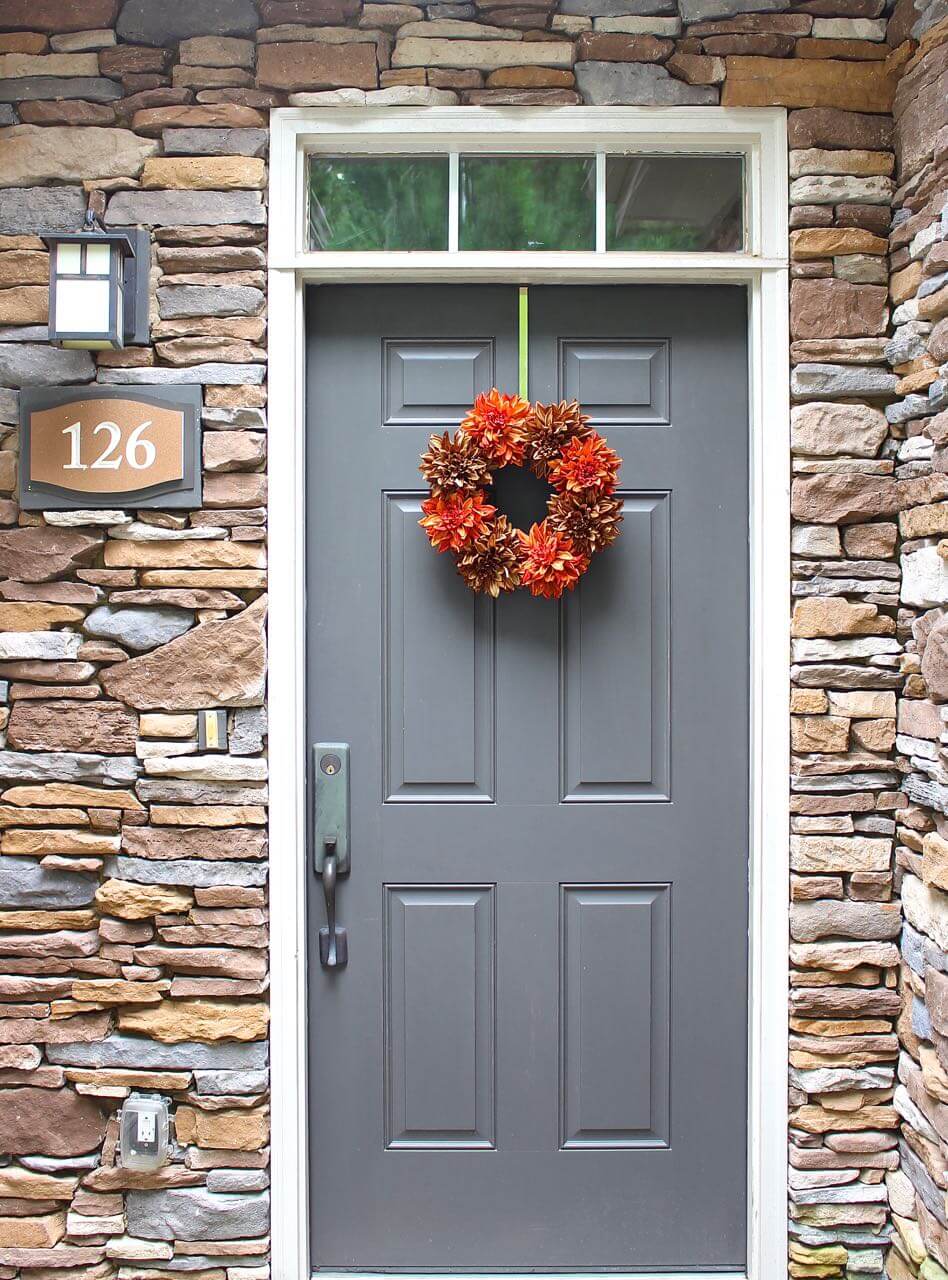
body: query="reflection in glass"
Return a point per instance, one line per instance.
(528, 202)
(378, 202)
(675, 203)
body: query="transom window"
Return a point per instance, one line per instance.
(591, 202)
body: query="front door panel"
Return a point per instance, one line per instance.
(536, 1056)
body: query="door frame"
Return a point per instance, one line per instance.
(760, 136)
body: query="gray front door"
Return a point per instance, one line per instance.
(536, 1057)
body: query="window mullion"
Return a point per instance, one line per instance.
(454, 203)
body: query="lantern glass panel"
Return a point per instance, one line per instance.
(98, 257)
(82, 306)
(68, 259)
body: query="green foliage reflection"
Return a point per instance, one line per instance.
(378, 202)
(528, 202)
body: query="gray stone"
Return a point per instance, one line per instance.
(30, 210)
(931, 14)
(25, 884)
(51, 645)
(247, 731)
(66, 766)
(195, 872)
(237, 1180)
(57, 1164)
(215, 374)
(132, 1051)
(145, 22)
(215, 142)
(9, 405)
(633, 83)
(810, 921)
(618, 8)
(173, 791)
(209, 300)
(242, 417)
(29, 364)
(194, 1213)
(921, 1023)
(137, 626)
(932, 284)
(908, 342)
(705, 10)
(231, 1082)
(47, 88)
(912, 948)
(24, 333)
(185, 208)
(6, 114)
(911, 407)
(841, 381)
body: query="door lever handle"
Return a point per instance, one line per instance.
(333, 940)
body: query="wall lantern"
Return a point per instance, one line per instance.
(98, 287)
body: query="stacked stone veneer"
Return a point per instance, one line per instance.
(133, 924)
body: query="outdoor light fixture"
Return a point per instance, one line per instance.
(144, 1132)
(98, 286)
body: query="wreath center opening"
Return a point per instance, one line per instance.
(519, 495)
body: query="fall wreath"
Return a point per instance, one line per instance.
(555, 441)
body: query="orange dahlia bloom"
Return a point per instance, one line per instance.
(496, 424)
(457, 520)
(586, 465)
(549, 565)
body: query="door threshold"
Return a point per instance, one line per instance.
(529, 1275)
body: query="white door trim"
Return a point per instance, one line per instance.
(760, 135)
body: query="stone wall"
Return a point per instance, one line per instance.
(133, 926)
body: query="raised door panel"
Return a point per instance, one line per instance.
(431, 382)
(438, 660)
(614, 1015)
(617, 381)
(439, 1016)
(615, 711)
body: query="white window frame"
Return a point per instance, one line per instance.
(760, 135)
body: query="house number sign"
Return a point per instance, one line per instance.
(84, 447)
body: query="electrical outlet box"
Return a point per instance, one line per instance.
(144, 1132)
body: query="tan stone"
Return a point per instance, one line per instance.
(116, 991)
(695, 68)
(33, 843)
(156, 725)
(935, 860)
(810, 702)
(835, 616)
(215, 664)
(41, 1232)
(224, 115)
(174, 1021)
(222, 1130)
(530, 78)
(28, 304)
(66, 793)
(211, 815)
(63, 726)
(828, 242)
(12, 815)
(235, 579)
(25, 1184)
(17, 65)
(874, 735)
(904, 284)
(48, 921)
(827, 429)
(815, 1120)
(863, 704)
(819, 733)
(484, 55)
(204, 173)
(846, 854)
(870, 541)
(131, 901)
(921, 522)
(855, 163)
(188, 553)
(36, 616)
(798, 82)
(31, 155)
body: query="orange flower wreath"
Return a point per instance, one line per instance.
(556, 442)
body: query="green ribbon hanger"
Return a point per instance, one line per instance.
(523, 340)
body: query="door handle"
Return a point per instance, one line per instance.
(333, 940)
(331, 842)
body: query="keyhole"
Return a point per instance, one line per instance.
(330, 764)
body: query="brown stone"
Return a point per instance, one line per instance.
(211, 815)
(215, 664)
(53, 1122)
(123, 59)
(606, 46)
(308, 12)
(23, 42)
(58, 15)
(312, 65)
(71, 793)
(794, 82)
(870, 217)
(765, 45)
(69, 111)
(195, 350)
(521, 97)
(695, 68)
(836, 616)
(193, 842)
(174, 1021)
(836, 308)
(530, 78)
(152, 121)
(106, 727)
(222, 962)
(850, 497)
(786, 24)
(222, 1130)
(39, 1232)
(847, 50)
(204, 173)
(235, 491)
(23, 267)
(40, 553)
(234, 450)
(818, 242)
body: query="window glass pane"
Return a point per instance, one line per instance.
(528, 202)
(675, 203)
(378, 202)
